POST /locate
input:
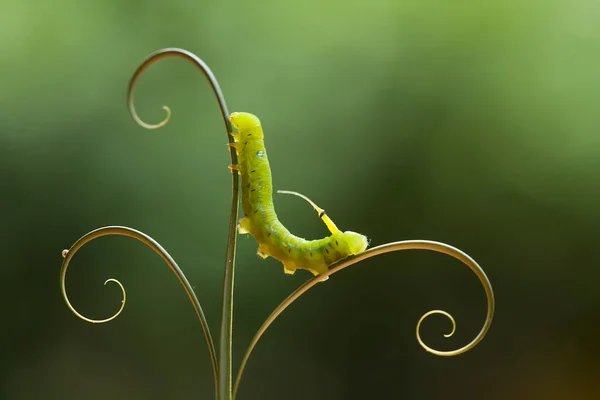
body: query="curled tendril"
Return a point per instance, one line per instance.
(96, 321)
(427, 314)
(154, 245)
(194, 59)
(387, 248)
(225, 338)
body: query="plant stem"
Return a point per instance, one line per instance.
(158, 249)
(382, 249)
(225, 337)
(226, 333)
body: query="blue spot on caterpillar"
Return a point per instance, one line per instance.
(260, 219)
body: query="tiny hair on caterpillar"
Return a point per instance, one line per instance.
(260, 219)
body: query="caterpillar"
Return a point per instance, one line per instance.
(260, 219)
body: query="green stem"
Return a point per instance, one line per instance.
(154, 245)
(226, 333)
(225, 338)
(387, 248)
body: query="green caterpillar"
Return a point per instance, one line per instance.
(260, 219)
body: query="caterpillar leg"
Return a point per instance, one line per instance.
(235, 167)
(317, 272)
(262, 253)
(324, 217)
(233, 146)
(243, 227)
(288, 269)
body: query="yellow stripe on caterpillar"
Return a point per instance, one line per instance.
(260, 219)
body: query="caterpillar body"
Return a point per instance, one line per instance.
(260, 219)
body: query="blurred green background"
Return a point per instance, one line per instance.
(473, 123)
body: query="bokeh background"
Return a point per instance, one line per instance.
(473, 123)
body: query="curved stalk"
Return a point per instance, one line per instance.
(226, 333)
(158, 249)
(387, 248)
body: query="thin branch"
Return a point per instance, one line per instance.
(158, 249)
(226, 333)
(387, 248)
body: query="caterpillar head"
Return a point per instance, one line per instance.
(356, 242)
(246, 123)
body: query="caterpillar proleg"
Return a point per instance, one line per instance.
(260, 219)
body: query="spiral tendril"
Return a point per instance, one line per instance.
(154, 245)
(427, 314)
(99, 321)
(194, 59)
(224, 380)
(387, 248)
